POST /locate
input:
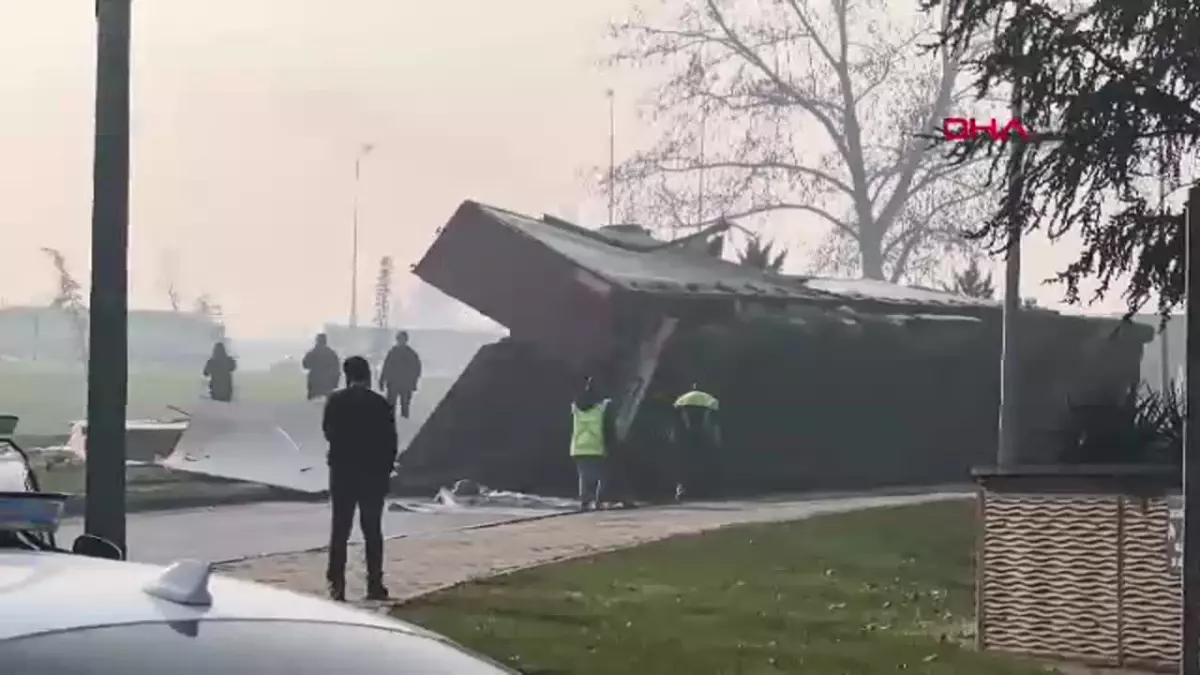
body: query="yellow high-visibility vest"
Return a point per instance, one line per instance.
(587, 435)
(698, 399)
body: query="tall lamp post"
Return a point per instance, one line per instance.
(107, 376)
(1007, 451)
(612, 156)
(363, 150)
(1190, 628)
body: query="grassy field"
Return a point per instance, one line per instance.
(880, 591)
(47, 399)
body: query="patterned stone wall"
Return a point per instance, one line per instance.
(1078, 576)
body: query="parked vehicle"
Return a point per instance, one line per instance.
(88, 612)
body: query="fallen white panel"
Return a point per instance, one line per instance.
(145, 440)
(273, 445)
(279, 445)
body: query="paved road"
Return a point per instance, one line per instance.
(229, 532)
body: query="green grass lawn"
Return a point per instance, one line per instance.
(47, 399)
(879, 591)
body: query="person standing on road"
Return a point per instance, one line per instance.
(361, 429)
(591, 429)
(697, 439)
(322, 365)
(219, 371)
(400, 373)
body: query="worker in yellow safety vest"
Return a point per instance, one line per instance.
(696, 436)
(591, 428)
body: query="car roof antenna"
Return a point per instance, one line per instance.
(184, 582)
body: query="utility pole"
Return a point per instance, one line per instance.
(1164, 347)
(612, 157)
(107, 377)
(1010, 360)
(703, 137)
(363, 150)
(1190, 629)
(700, 175)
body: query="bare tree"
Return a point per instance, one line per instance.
(68, 299)
(174, 297)
(205, 306)
(169, 279)
(812, 108)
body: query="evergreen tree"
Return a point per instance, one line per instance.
(972, 282)
(1110, 91)
(761, 255)
(383, 308)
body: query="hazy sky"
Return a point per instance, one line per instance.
(247, 115)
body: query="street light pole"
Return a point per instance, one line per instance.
(1190, 629)
(1164, 347)
(703, 131)
(1009, 434)
(107, 376)
(612, 157)
(363, 150)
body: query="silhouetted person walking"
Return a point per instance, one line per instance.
(400, 373)
(219, 371)
(322, 365)
(361, 429)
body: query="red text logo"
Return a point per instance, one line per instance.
(969, 129)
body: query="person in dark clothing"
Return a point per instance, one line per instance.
(219, 371)
(322, 364)
(400, 373)
(696, 436)
(361, 429)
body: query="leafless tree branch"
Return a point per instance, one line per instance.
(803, 106)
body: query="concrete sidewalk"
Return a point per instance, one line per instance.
(418, 565)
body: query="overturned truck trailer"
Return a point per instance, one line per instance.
(830, 400)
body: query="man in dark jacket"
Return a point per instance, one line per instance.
(219, 371)
(321, 362)
(400, 373)
(361, 429)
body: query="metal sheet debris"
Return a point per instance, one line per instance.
(279, 445)
(145, 440)
(469, 494)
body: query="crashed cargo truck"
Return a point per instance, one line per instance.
(825, 383)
